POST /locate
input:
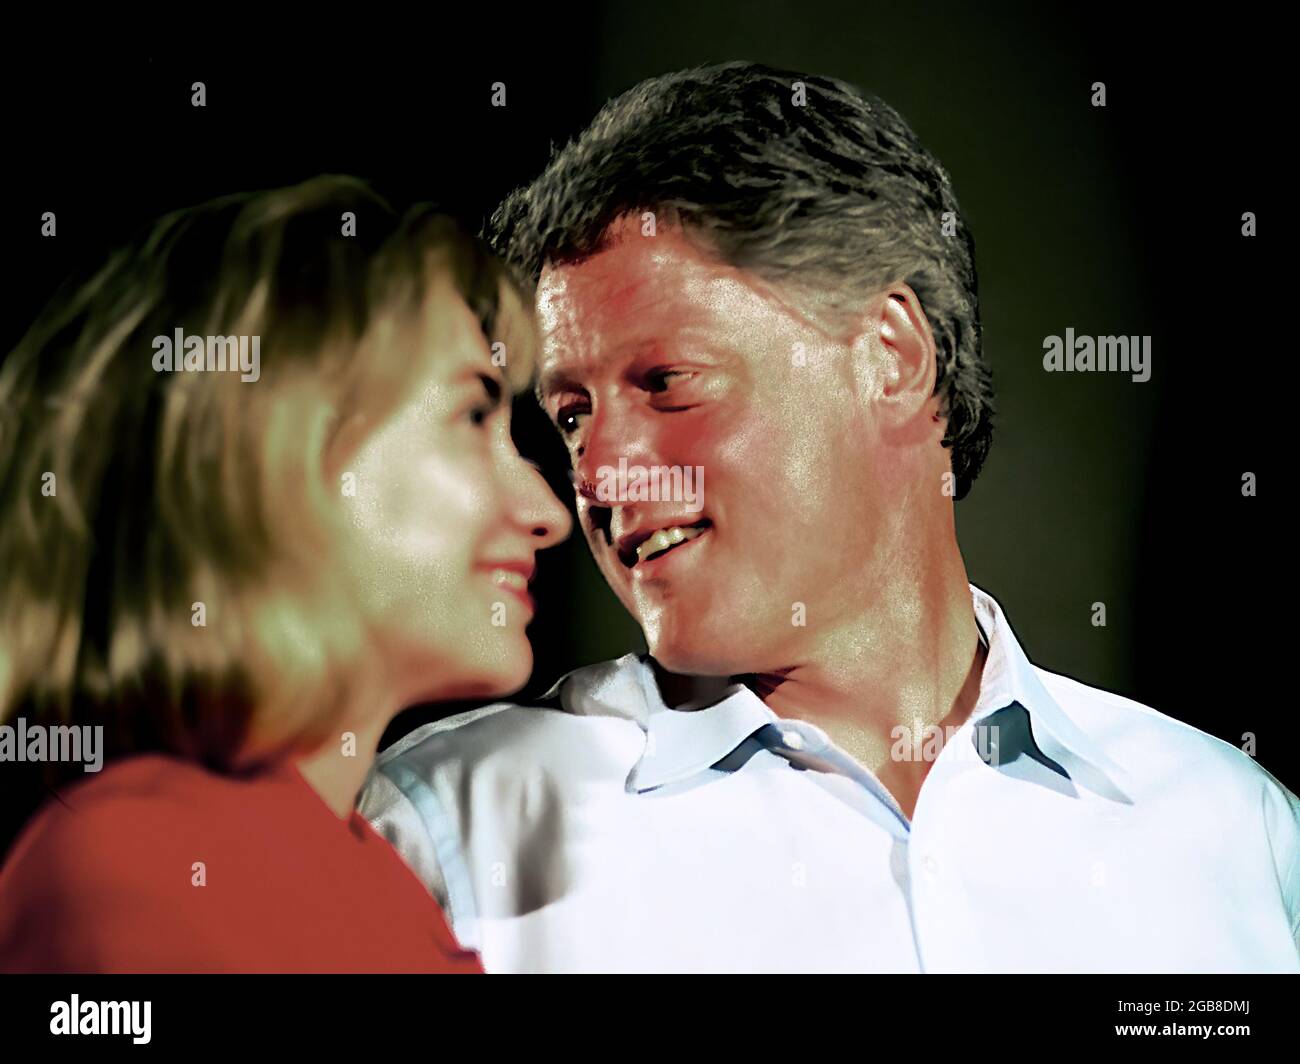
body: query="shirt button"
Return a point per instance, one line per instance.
(930, 864)
(792, 739)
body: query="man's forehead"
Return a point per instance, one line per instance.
(642, 290)
(631, 267)
(636, 286)
(673, 276)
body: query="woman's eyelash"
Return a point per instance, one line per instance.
(491, 400)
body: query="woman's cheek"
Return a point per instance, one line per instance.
(461, 498)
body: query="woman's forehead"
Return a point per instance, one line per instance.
(453, 339)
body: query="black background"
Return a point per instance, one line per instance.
(1122, 220)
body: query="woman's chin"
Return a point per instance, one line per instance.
(454, 668)
(493, 673)
(508, 679)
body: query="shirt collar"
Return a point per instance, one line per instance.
(680, 744)
(1010, 678)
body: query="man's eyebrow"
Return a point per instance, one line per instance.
(559, 380)
(555, 381)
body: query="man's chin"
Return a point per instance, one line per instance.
(700, 654)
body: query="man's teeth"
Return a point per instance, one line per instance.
(665, 538)
(509, 578)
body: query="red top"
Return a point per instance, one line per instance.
(108, 883)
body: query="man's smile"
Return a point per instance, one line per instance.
(650, 541)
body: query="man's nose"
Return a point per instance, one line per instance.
(604, 461)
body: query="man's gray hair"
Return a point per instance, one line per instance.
(833, 195)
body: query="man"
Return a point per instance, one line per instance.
(760, 284)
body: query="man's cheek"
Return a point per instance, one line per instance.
(594, 536)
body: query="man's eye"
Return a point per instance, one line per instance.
(659, 380)
(566, 418)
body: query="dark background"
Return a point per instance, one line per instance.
(1122, 220)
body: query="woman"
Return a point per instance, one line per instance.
(257, 495)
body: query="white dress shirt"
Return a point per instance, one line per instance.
(1060, 829)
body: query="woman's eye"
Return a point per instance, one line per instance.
(478, 415)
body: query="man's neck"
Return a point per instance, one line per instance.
(913, 661)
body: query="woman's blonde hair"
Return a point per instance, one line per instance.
(164, 535)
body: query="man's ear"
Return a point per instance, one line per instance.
(907, 342)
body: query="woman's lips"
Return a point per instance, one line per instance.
(512, 577)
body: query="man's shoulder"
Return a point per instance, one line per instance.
(483, 724)
(1195, 783)
(1158, 746)
(1108, 717)
(516, 738)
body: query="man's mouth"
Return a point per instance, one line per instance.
(644, 546)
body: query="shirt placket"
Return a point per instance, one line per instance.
(929, 901)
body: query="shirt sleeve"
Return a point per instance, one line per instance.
(394, 816)
(1282, 821)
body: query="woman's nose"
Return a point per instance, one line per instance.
(539, 509)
